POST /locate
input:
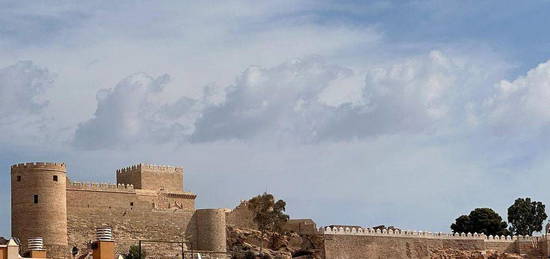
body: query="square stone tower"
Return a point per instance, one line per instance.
(152, 177)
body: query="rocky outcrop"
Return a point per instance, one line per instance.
(275, 245)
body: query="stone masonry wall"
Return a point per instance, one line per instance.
(209, 230)
(38, 205)
(355, 243)
(162, 200)
(241, 217)
(130, 216)
(129, 176)
(301, 226)
(508, 247)
(152, 177)
(175, 201)
(169, 179)
(355, 247)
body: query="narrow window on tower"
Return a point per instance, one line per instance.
(55, 178)
(19, 178)
(131, 204)
(35, 198)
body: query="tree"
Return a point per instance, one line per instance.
(268, 214)
(526, 216)
(133, 253)
(481, 220)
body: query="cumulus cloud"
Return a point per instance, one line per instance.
(426, 93)
(132, 113)
(301, 100)
(521, 106)
(278, 101)
(430, 93)
(24, 105)
(21, 87)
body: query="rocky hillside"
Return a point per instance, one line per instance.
(275, 245)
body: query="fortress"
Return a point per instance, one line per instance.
(148, 202)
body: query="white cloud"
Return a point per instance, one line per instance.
(428, 93)
(301, 100)
(23, 116)
(521, 107)
(22, 86)
(280, 102)
(421, 94)
(132, 113)
(92, 46)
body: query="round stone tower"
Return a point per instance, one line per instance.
(39, 205)
(211, 233)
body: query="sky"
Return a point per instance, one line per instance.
(403, 113)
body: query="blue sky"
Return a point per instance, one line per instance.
(405, 113)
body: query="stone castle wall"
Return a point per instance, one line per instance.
(147, 203)
(152, 177)
(348, 243)
(152, 199)
(39, 205)
(173, 200)
(100, 186)
(131, 216)
(301, 226)
(241, 217)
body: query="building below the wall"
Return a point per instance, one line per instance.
(9, 249)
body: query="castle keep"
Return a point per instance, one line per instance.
(148, 202)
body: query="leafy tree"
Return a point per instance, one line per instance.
(526, 216)
(268, 214)
(133, 253)
(481, 220)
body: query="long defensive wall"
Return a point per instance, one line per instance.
(353, 243)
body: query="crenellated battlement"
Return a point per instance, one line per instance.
(40, 165)
(157, 168)
(100, 186)
(420, 234)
